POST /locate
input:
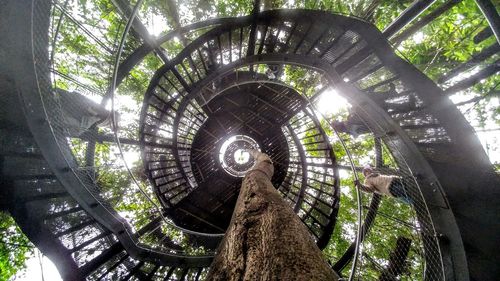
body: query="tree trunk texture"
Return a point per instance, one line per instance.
(266, 240)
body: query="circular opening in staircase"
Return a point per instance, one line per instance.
(234, 155)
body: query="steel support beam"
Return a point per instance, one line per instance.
(105, 256)
(346, 258)
(474, 79)
(473, 61)
(407, 16)
(491, 14)
(138, 27)
(425, 20)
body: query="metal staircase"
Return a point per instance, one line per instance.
(232, 78)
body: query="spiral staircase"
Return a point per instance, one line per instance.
(229, 88)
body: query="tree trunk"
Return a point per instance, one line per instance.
(266, 240)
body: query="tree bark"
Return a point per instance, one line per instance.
(266, 240)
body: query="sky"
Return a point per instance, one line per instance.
(33, 271)
(331, 102)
